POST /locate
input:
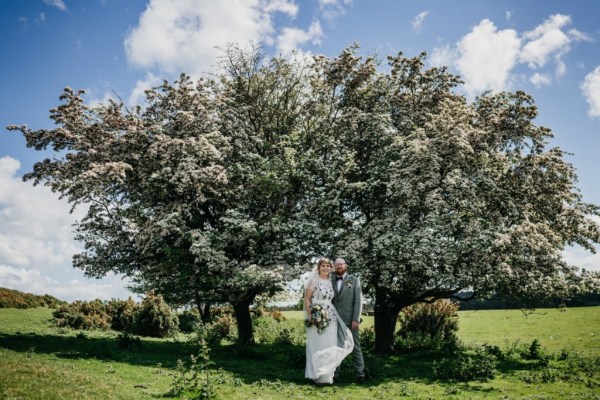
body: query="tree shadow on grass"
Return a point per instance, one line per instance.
(148, 353)
(251, 365)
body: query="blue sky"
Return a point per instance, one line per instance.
(549, 48)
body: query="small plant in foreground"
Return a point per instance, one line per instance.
(194, 377)
(535, 350)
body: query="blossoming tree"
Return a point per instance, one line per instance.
(428, 195)
(195, 195)
(217, 189)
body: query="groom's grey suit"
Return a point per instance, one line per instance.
(347, 301)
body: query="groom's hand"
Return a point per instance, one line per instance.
(355, 325)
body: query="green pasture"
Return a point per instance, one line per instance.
(41, 361)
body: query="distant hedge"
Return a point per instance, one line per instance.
(10, 298)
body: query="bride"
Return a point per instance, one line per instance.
(328, 339)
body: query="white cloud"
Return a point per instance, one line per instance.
(561, 68)
(183, 35)
(545, 40)
(486, 56)
(325, 3)
(581, 258)
(540, 80)
(36, 240)
(579, 36)
(443, 56)
(34, 281)
(137, 95)
(60, 4)
(95, 100)
(550, 40)
(332, 9)
(417, 23)
(591, 91)
(292, 38)
(283, 6)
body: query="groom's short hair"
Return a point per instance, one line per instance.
(339, 260)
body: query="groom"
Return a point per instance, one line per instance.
(347, 300)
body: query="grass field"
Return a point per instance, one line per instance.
(41, 361)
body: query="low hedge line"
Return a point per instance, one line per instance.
(10, 298)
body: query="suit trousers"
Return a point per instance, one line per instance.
(357, 356)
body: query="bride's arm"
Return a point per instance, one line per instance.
(307, 296)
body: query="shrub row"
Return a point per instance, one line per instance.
(10, 298)
(152, 317)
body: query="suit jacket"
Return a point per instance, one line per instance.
(348, 300)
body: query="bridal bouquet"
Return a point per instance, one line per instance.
(319, 318)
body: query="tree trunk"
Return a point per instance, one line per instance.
(386, 315)
(207, 316)
(244, 322)
(204, 310)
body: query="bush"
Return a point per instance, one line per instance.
(494, 350)
(224, 327)
(431, 326)
(534, 351)
(83, 315)
(122, 313)
(188, 320)
(367, 339)
(466, 367)
(155, 318)
(266, 329)
(213, 332)
(222, 310)
(278, 316)
(289, 336)
(258, 312)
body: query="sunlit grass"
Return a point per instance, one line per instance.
(41, 361)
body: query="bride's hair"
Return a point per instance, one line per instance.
(323, 261)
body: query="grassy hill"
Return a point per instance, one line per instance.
(10, 298)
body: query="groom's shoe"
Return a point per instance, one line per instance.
(360, 379)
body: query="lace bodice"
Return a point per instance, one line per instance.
(323, 291)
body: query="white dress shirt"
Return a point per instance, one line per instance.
(339, 282)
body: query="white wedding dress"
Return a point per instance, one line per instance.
(326, 350)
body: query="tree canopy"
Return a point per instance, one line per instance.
(429, 195)
(217, 190)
